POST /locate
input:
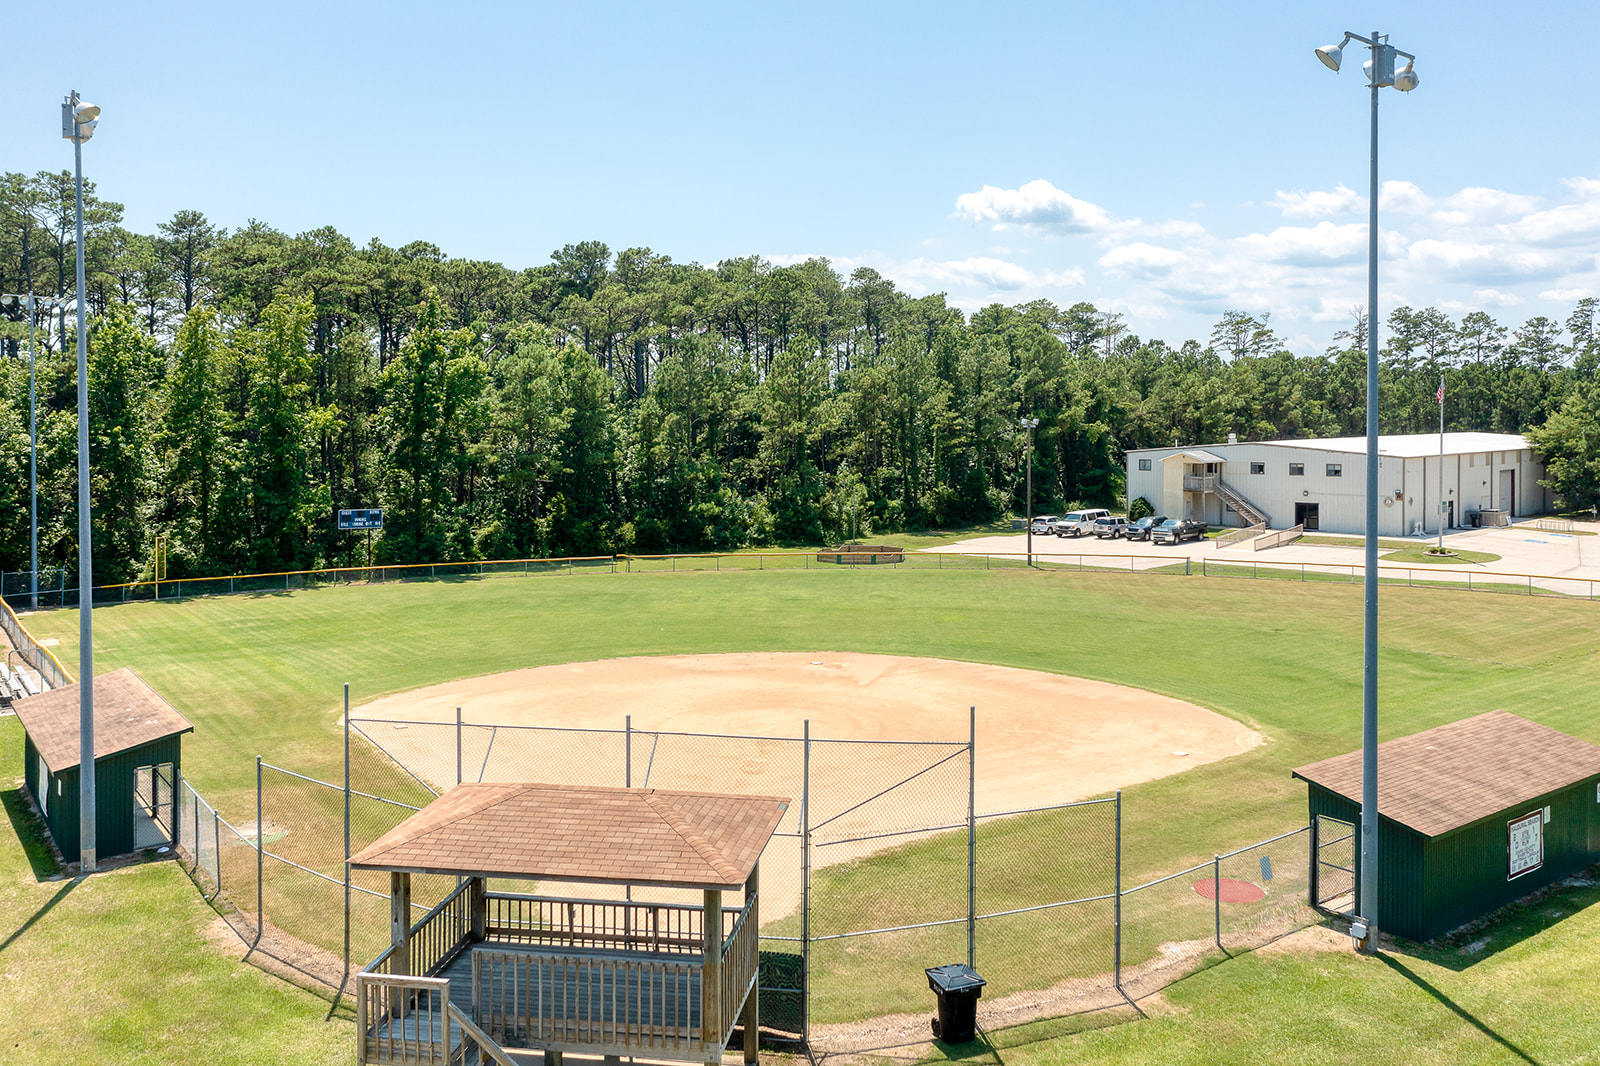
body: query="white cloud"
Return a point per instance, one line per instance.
(1565, 295)
(1141, 260)
(1317, 245)
(1036, 205)
(1567, 224)
(1481, 205)
(1319, 204)
(1583, 186)
(994, 275)
(1495, 298)
(1404, 197)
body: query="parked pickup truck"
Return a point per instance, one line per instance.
(1178, 530)
(1142, 529)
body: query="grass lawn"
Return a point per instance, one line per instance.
(261, 673)
(115, 969)
(1420, 555)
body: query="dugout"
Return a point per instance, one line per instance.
(138, 757)
(1471, 816)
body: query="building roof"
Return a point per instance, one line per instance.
(1198, 455)
(1398, 445)
(1413, 445)
(1453, 775)
(638, 836)
(127, 714)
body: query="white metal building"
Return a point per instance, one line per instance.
(1321, 484)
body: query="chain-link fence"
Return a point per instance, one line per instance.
(880, 868)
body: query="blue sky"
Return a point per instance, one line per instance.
(1168, 160)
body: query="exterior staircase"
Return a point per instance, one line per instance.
(1249, 513)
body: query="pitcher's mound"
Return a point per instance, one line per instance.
(1042, 738)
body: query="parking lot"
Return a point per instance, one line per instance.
(1523, 550)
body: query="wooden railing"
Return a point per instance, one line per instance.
(402, 1019)
(436, 937)
(474, 1039)
(607, 1005)
(1274, 539)
(662, 928)
(741, 955)
(1193, 483)
(1234, 536)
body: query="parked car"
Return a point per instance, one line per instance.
(1045, 523)
(1141, 529)
(1110, 527)
(1077, 523)
(1178, 530)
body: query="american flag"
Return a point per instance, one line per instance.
(1441, 394)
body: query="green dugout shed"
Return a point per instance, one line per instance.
(138, 757)
(1471, 816)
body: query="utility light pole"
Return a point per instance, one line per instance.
(1380, 72)
(1028, 426)
(78, 120)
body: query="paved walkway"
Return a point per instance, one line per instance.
(1523, 550)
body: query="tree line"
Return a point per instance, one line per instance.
(245, 385)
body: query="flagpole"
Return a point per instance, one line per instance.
(1441, 461)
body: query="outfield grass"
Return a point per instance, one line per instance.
(261, 674)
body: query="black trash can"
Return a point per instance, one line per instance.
(958, 987)
(1475, 518)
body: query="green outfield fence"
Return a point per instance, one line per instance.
(1044, 561)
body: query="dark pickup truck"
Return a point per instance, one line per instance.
(1178, 530)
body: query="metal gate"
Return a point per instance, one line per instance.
(1333, 865)
(153, 806)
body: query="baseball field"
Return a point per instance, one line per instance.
(261, 674)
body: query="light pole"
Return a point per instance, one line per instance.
(78, 120)
(1028, 425)
(1380, 72)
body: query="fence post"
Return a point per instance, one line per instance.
(1116, 917)
(261, 907)
(972, 836)
(1216, 896)
(458, 742)
(1315, 857)
(627, 751)
(805, 887)
(346, 978)
(216, 845)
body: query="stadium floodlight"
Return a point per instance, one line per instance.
(78, 120)
(1380, 72)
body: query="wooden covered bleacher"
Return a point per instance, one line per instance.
(486, 973)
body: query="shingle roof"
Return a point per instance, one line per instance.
(1450, 776)
(597, 835)
(127, 713)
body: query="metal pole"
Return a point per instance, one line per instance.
(972, 836)
(33, 467)
(1029, 424)
(1216, 896)
(627, 751)
(86, 782)
(1116, 917)
(805, 887)
(1368, 903)
(346, 976)
(261, 907)
(458, 745)
(1441, 461)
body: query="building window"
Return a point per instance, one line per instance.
(1335, 470)
(1144, 464)
(1297, 470)
(1258, 468)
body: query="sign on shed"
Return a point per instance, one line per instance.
(1527, 844)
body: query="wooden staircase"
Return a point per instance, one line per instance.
(1249, 513)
